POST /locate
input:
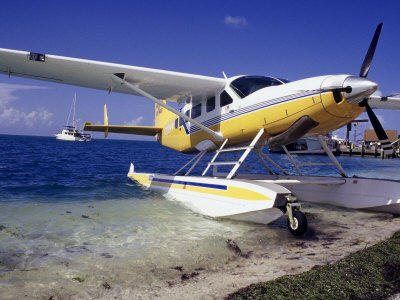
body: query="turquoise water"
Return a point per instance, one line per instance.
(67, 210)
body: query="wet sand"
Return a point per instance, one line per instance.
(330, 238)
(203, 269)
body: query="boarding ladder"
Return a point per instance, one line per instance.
(325, 149)
(235, 163)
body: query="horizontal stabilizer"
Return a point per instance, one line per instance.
(140, 130)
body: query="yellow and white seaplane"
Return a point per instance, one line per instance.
(244, 114)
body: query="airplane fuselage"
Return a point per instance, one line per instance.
(238, 112)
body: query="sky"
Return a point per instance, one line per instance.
(286, 39)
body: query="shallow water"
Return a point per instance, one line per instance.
(70, 220)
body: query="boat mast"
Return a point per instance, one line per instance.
(69, 115)
(73, 120)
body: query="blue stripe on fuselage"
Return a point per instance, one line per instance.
(248, 109)
(184, 127)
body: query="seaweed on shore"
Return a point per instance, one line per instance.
(371, 273)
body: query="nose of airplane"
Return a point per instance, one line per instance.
(358, 88)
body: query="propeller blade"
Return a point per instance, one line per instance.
(371, 51)
(380, 132)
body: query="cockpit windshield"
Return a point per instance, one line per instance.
(247, 85)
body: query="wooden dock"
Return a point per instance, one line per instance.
(345, 150)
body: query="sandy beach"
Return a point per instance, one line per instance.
(333, 233)
(329, 239)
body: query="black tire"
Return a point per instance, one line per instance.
(300, 225)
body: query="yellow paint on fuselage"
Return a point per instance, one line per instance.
(322, 108)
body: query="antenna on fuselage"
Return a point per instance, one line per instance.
(223, 73)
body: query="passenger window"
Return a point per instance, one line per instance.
(176, 123)
(181, 120)
(225, 99)
(196, 111)
(210, 104)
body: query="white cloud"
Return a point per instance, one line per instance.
(7, 90)
(134, 122)
(236, 22)
(11, 116)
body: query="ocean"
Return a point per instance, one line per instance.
(73, 225)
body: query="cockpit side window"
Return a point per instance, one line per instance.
(210, 106)
(225, 99)
(247, 85)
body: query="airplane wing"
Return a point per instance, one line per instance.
(389, 102)
(165, 85)
(140, 130)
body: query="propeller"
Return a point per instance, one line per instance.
(371, 51)
(380, 132)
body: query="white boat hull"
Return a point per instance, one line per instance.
(64, 137)
(70, 133)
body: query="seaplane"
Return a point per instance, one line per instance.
(241, 114)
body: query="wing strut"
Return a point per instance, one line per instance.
(119, 77)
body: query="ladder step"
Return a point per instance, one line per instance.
(234, 149)
(222, 163)
(236, 164)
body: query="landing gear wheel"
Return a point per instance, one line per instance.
(299, 226)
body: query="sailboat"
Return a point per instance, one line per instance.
(70, 132)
